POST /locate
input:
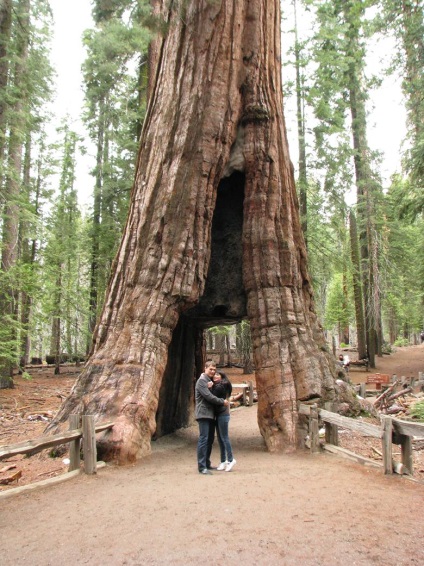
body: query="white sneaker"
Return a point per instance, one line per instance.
(230, 465)
(222, 466)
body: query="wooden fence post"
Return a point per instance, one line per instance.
(250, 393)
(386, 443)
(406, 448)
(314, 428)
(74, 446)
(363, 390)
(331, 430)
(89, 444)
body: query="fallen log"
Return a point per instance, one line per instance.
(400, 393)
(394, 410)
(379, 401)
(7, 468)
(236, 397)
(14, 477)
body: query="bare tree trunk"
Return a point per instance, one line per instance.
(228, 350)
(365, 182)
(215, 107)
(28, 258)
(97, 206)
(56, 324)
(5, 28)
(303, 179)
(357, 287)
(246, 349)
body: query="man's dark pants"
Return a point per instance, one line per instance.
(204, 444)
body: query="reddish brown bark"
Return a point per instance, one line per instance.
(216, 104)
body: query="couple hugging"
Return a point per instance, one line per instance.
(213, 411)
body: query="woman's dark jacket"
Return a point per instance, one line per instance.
(223, 390)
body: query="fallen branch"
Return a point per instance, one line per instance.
(12, 478)
(236, 397)
(50, 472)
(379, 401)
(7, 468)
(380, 454)
(400, 393)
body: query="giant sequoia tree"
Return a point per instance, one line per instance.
(213, 236)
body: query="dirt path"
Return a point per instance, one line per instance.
(285, 510)
(271, 509)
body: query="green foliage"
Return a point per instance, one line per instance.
(115, 107)
(403, 263)
(337, 313)
(401, 342)
(65, 260)
(417, 410)
(220, 330)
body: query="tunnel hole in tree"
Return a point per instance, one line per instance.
(223, 302)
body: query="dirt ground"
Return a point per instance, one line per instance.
(271, 509)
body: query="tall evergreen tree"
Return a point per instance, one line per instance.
(340, 89)
(61, 256)
(26, 91)
(114, 113)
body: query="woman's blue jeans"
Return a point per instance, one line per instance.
(222, 422)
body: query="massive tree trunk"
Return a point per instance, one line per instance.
(213, 236)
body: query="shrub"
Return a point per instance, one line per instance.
(417, 410)
(400, 342)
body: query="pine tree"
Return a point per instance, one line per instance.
(62, 257)
(23, 116)
(115, 107)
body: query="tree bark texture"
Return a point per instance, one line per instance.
(213, 236)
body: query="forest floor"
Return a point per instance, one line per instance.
(301, 508)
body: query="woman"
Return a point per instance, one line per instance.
(222, 388)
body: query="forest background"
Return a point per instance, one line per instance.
(361, 208)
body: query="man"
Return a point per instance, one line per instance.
(205, 416)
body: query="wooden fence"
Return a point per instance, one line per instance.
(246, 387)
(391, 431)
(79, 428)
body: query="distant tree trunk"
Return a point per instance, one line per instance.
(221, 347)
(357, 287)
(303, 179)
(365, 182)
(56, 325)
(345, 325)
(95, 237)
(246, 349)
(28, 258)
(214, 188)
(228, 348)
(5, 28)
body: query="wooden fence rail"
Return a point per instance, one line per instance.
(391, 431)
(87, 432)
(246, 387)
